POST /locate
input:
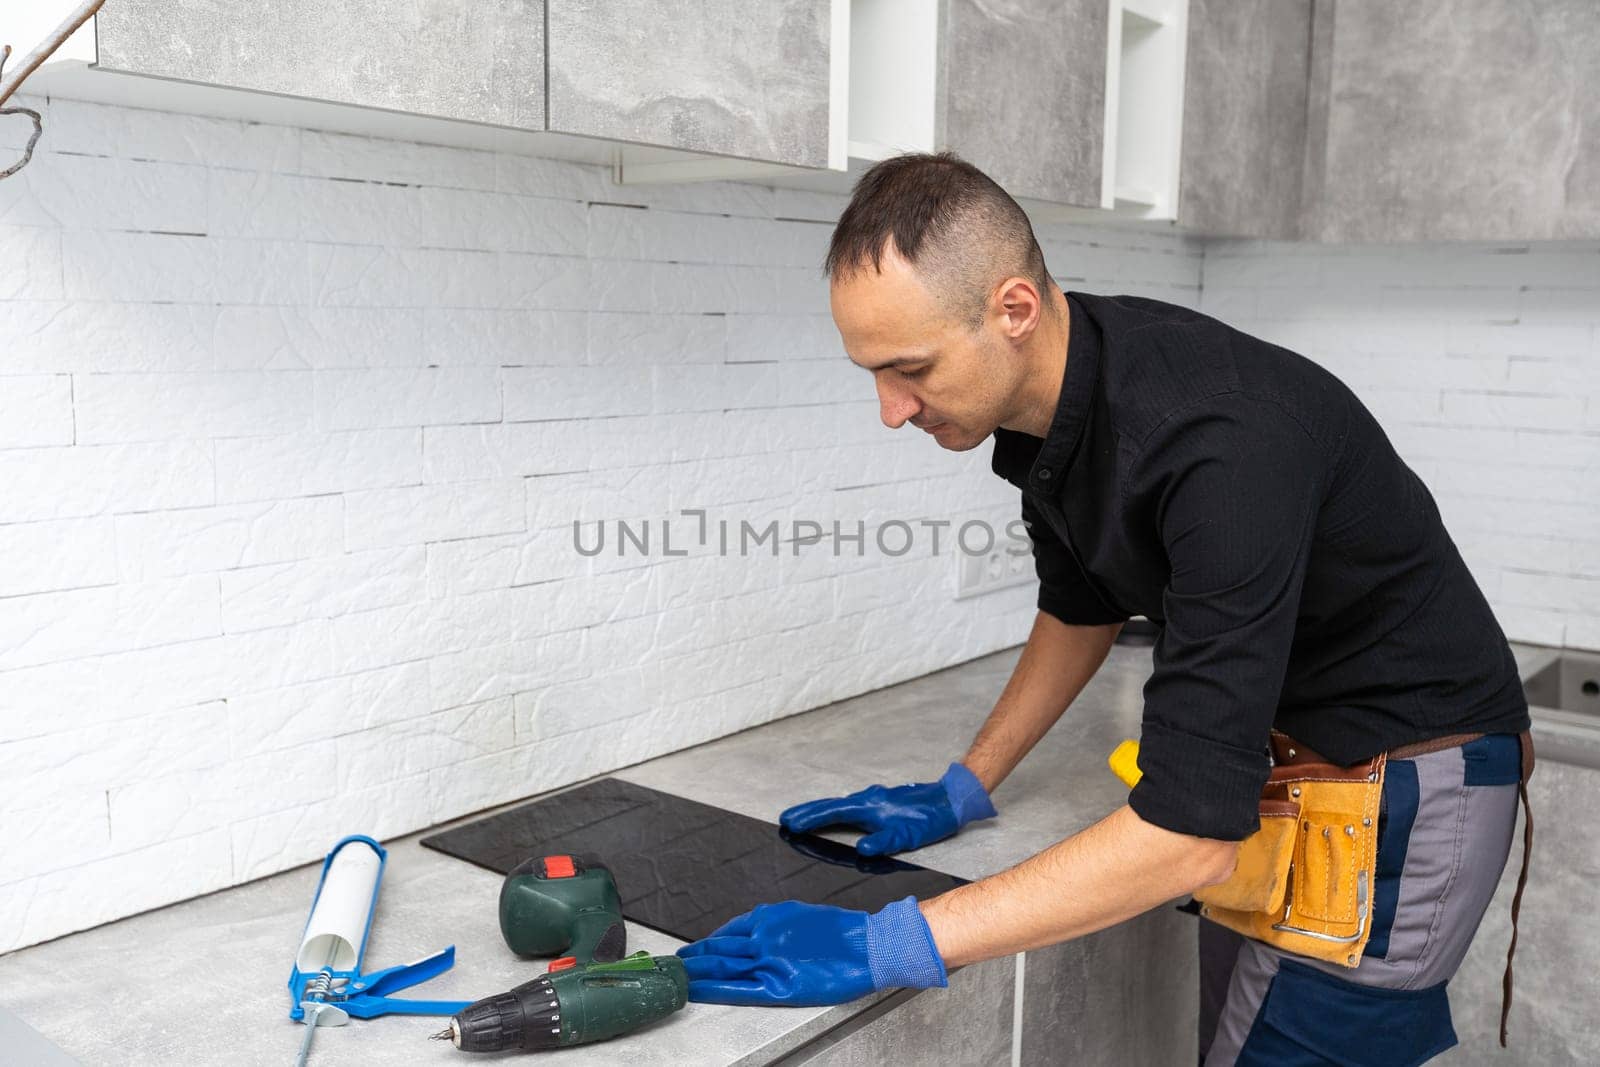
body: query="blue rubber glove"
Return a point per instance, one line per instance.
(899, 817)
(806, 955)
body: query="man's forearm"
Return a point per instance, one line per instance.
(1056, 664)
(1120, 867)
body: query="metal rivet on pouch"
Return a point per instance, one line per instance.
(1326, 833)
(1291, 753)
(1295, 791)
(1350, 959)
(1366, 822)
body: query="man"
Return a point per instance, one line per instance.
(1245, 501)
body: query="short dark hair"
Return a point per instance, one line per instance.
(950, 220)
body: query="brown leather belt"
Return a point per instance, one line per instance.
(1286, 750)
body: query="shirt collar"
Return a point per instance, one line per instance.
(1038, 465)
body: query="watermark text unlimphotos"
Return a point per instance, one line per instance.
(742, 537)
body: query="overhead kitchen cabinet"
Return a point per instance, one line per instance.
(1244, 117)
(736, 83)
(1075, 106)
(1456, 119)
(725, 77)
(1024, 94)
(1319, 121)
(441, 58)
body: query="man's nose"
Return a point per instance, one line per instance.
(896, 404)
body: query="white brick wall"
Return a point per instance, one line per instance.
(293, 426)
(1482, 362)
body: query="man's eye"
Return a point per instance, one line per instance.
(916, 372)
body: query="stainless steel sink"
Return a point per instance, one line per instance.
(1563, 688)
(1569, 682)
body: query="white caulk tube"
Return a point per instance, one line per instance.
(337, 929)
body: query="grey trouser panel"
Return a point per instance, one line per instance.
(1444, 838)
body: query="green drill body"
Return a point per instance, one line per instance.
(561, 906)
(588, 1002)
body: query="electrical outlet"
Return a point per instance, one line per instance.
(998, 568)
(1019, 565)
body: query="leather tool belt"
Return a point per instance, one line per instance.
(1304, 881)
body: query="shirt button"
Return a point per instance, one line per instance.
(1044, 474)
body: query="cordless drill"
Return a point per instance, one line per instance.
(562, 906)
(573, 1006)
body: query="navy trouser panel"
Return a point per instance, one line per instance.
(1444, 836)
(1219, 951)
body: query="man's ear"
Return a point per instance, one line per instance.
(1018, 300)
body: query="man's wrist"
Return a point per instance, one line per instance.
(986, 767)
(968, 798)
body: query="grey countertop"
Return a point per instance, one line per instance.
(204, 981)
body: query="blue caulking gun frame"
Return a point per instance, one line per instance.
(334, 996)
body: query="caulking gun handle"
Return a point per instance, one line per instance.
(393, 979)
(362, 1006)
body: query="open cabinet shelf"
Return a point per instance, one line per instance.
(894, 69)
(1145, 55)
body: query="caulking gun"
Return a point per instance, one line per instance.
(327, 985)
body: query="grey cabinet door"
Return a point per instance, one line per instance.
(1022, 93)
(746, 78)
(970, 1023)
(483, 62)
(1244, 117)
(1470, 119)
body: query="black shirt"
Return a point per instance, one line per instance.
(1244, 500)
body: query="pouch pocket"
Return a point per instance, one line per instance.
(1328, 908)
(1326, 859)
(1261, 873)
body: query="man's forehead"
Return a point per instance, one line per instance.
(885, 317)
(867, 298)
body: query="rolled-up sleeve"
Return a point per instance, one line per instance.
(1237, 485)
(1064, 592)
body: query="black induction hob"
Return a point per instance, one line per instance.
(682, 867)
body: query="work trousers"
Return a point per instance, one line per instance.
(1444, 835)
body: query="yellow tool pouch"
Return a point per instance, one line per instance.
(1304, 881)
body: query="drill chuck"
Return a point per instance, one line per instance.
(589, 1002)
(524, 1020)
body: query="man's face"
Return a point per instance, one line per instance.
(932, 370)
